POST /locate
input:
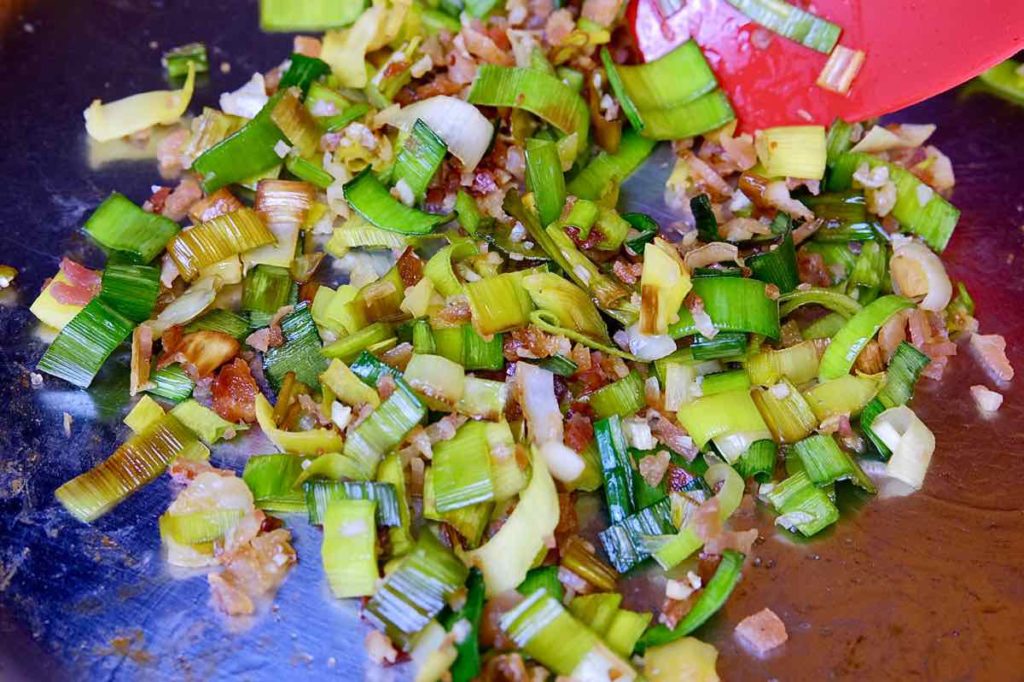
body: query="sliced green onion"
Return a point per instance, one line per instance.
(499, 303)
(840, 355)
(244, 154)
(537, 92)
(705, 113)
(171, 383)
(417, 590)
(204, 422)
(302, 72)
(1005, 79)
(777, 266)
(349, 550)
(216, 239)
(735, 304)
(368, 197)
(271, 478)
(797, 363)
(419, 158)
(919, 209)
(85, 343)
(623, 542)
(301, 352)
(310, 15)
(320, 493)
(480, 354)
(791, 22)
(119, 225)
(607, 169)
(177, 59)
(826, 463)
(711, 599)
(840, 303)
(266, 289)
(545, 179)
(803, 506)
(624, 397)
(758, 462)
(868, 273)
(785, 411)
(141, 459)
(615, 467)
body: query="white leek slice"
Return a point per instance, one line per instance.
(311, 442)
(190, 305)
(346, 50)
(917, 271)
(130, 115)
(463, 128)
(510, 553)
(911, 442)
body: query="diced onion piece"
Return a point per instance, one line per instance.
(986, 400)
(125, 116)
(904, 136)
(563, 462)
(196, 299)
(463, 128)
(917, 271)
(679, 385)
(910, 441)
(537, 396)
(842, 67)
(649, 347)
(733, 445)
(730, 494)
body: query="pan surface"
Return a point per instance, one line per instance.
(924, 587)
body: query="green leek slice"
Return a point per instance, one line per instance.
(840, 355)
(369, 198)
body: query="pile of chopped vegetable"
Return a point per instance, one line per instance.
(506, 343)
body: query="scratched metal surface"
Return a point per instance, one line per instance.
(926, 587)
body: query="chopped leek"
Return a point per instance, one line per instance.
(300, 353)
(244, 154)
(384, 429)
(785, 411)
(417, 590)
(499, 303)
(624, 542)
(797, 363)
(309, 15)
(309, 442)
(319, 493)
(777, 265)
(266, 289)
(216, 239)
(85, 343)
(758, 462)
(623, 397)
(137, 462)
(112, 120)
(370, 199)
(349, 550)
(467, 664)
(419, 159)
(803, 506)
(171, 383)
(540, 93)
(176, 61)
(846, 395)
(568, 303)
(719, 415)
(791, 22)
(904, 370)
(272, 478)
(664, 284)
(302, 72)
(615, 467)
(204, 422)
(792, 151)
(119, 225)
(840, 355)
(734, 304)
(607, 169)
(826, 463)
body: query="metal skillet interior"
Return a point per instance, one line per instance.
(926, 586)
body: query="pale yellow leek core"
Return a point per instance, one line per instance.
(132, 114)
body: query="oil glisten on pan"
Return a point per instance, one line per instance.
(396, 322)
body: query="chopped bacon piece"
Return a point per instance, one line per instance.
(594, 237)
(178, 202)
(410, 267)
(671, 435)
(82, 286)
(307, 46)
(220, 202)
(871, 359)
(741, 541)
(456, 312)
(678, 478)
(385, 386)
(155, 203)
(234, 392)
(207, 350)
(491, 634)
(653, 467)
(579, 431)
(379, 648)
(169, 149)
(253, 569)
(763, 631)
(812, 269)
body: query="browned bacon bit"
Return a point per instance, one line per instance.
(234, 392)
(410, 267)
(491, 634)
(568, 522)
(741, 541)
(184, 470)
(399, 356)
(578, 432)
(763, 631)
(385, 386)
(627, 272)
(155, 202)
(678, 478)
(871, 359)
(812, 269)
(442, 85)
(530, 342)
(483, 182)
(653, 467)
(673, 611)
(307, 46)
(259, 340)
(220, 202)
(207, 350)
(169, 149)
(453, 314)
(505, 668)
(142, 353)
(82, 284)
(928, 334)
(179, 201)
(170, 340)
(671, 435)
(593, 238)
(379, 648)
(990, 352)
(706, 521)
(253, 569)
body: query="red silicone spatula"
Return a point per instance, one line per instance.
(915, 49)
